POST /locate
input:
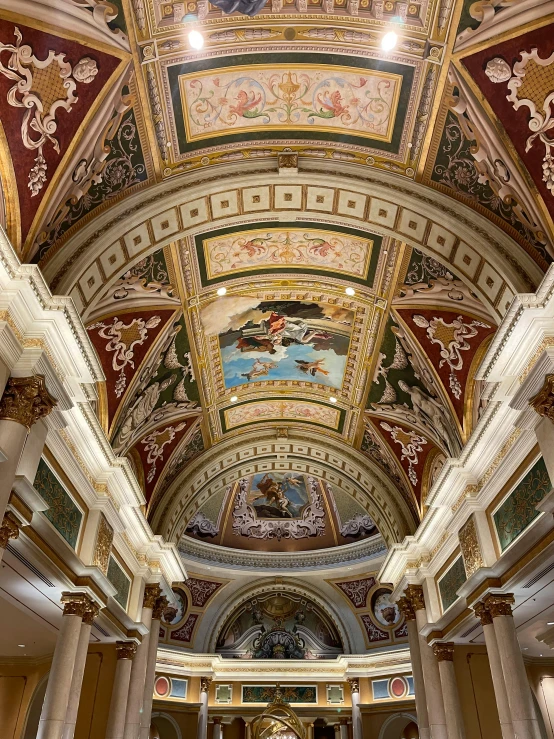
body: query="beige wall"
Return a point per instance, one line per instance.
(476, 691)
(541, 679)
(18, 682)
(96, 692)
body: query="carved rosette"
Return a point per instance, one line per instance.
(205, 683)
(414, 593)
(125, 649)
(151, 595)
(444, 651)
(406, 608)
(8, 530)
(471, 549)
(75, 604)
(354, 683)
(25, 400)
(483, 613)
(91, 613)
(543, 402)
(500, 604)
(159, 608)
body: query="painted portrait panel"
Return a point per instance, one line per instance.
(278, 495)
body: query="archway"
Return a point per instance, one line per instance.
(166, 726)
(400, 726)
(35, 708)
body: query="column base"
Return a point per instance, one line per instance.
(527, 729)
(438, 731)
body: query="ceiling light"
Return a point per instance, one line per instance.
(221, 291)
(196, 40)
(234, 398)
(332, 399)
(21, 645)
(388, 42)
(550, 623)
(350, 291)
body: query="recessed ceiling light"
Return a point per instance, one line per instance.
(196, 40)
(350, 291)
(332, 399)
(21, 645)
(550, 623)
(221, 291)
(234, 398)
(388, 42)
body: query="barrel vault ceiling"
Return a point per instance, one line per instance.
(117, 106)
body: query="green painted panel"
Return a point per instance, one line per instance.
(291, 694)
(452, 581)
(63, 513)
(518, 510)
(120, 581)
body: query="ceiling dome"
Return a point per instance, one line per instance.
(281, 512)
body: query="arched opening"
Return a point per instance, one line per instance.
(35, 708)
(164, 726)
(400, 726)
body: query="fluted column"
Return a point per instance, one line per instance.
(498, 682)
(146, 715)
(118, 705)
(430, 668)
(138, 670)
(218, 727)
(407, 609)
(54, 708)
(444, 652)
(524, 719)
(79, 671)
(357, 728)
(202, 730)
(24, 401)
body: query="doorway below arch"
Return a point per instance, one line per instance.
(400, 726)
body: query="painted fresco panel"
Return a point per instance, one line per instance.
(291, 693)
(277, 410)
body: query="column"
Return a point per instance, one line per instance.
(24, 401)
(406, 607)
(337, 731)
(499, 685)
(248, 727)
(430, 668)
(218, 727)
(118, 705)
(202, 731)
(146, 715)
(524, 720)
(357, 728)
(138, 670)
(309, 731)
(79, 671)
(343, 728)
(444, 652)
(52, 718)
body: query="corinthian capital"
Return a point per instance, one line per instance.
(151, 595)
(444, 651)
(500, 604)
(8, 530)
(543, 402)
(159, 607)
(76, 604)
(483, 613)
(406, 608)
(25, 400)
(415, 595)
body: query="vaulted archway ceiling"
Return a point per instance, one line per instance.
(367, 215)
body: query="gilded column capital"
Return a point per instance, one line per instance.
(500, 604)
(414, 593)
(205, 683)
(343, 721)
(91, 613)
(125, 649)
(354, 683)
(159, 607)
(483, 613)
(25, 400)
(8, 530)
(151, 595)
(543, 402)
(75, 604)
(444, 651)
(217, 719)
(406, 608)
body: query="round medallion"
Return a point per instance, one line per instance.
(161, 686)
(398, 687)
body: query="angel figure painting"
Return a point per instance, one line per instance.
(280, 340)
(278, 495)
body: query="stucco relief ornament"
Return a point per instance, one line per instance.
(41, 94)
(412, 445)
(498, 70)
(543, 402)
(154, 444)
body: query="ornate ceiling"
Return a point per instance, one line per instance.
(289, 160)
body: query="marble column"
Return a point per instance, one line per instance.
(138, 670)
(407, 609)
(337, 731)
(218, 727)
(54, 707)
(430, 668)
(444, 652)
(499, 685)
(146, 715)
(118, 705)
(202, 730)
(357, 728)
(343, 728)
(24, 401)
(79, 671)
(248, 727)
(522, 710)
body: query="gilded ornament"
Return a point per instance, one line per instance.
(8, 530)
(25, 400)
(91, 613)
(159, 608)
(483, 613)
(125, 649)
(151, 595)
(205, 683)
(406, 608)
(75, 604)
(414, 593)
(444, 651)
(354, 683)
(288, 160)
(543, 402)
(103, 546)
(471, 549)
(500, 604)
